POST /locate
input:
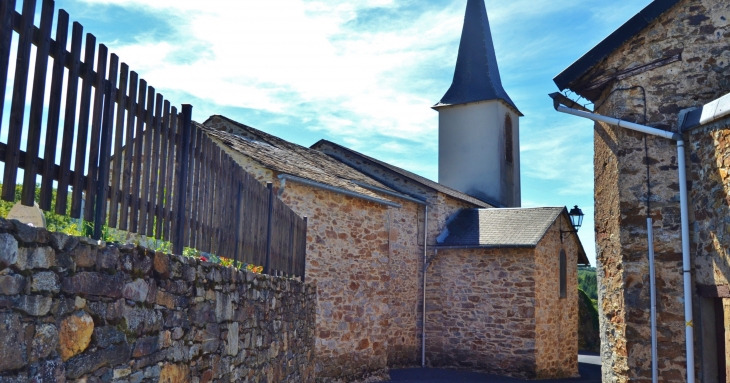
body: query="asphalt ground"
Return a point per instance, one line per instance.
(589, 367)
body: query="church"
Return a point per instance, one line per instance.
(412, 272)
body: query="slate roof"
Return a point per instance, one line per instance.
(409, 175)
(286, 157)
(621, 35)
(476, 77)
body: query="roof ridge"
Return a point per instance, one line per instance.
(413, 176)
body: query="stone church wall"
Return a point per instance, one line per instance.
(77, 310)
(557, 318)
(699, 29)
(480, 311)
(366, 260)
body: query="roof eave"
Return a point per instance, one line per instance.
(514, 108)
(607, 46)
(499, 246)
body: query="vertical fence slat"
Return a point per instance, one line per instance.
(94, 144)
(115, 190)
(184, 140)
(35, 118)
(69, 120)
(130, 147)
(177, 119)
(54, 111)
(146, 162)
(216, 200)
(7, 13)
(206, 193)
(107, 126)
(17, 108)
(154, 165)
(195, 210)
(160, 206)
(190, 149)
(171, 175)
(83, 129)
(138, 140)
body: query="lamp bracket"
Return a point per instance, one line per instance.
(566, 232)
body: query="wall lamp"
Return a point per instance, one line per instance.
(576, 219)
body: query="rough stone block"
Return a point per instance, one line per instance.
(146, 346)
(8, 250)
(45, 342)
(84, 256)
(46, 281)
(63, 242)
(94, 284)
(232, 339)
(29, 234)
(34, 305)
(162, 265)
(86, 363)
(36, 258)
(106, 336)
(174, 373)
(11, 284)
(136, 291)
(75, 334)
(142, 321)
(48, 371)
(108, 259)
(12, 353)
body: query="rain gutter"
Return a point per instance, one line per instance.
(304, 181)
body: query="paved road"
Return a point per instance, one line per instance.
(590, 372)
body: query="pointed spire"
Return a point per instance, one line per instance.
(476, 77)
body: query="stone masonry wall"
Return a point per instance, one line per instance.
(363, 257)
(74, 309)
(347, 259)
(700, 30)
(709, 149)
(480, 311)
(556, 338)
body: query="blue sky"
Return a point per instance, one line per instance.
(364, 73)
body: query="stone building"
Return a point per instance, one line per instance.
(501, 293)
(670, 58)
(373, 228)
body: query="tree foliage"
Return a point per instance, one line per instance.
(588, 282)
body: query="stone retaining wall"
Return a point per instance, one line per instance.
(73, 309)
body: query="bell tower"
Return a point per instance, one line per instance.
(479, 129)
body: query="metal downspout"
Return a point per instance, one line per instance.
(683, 202)
(425, 267)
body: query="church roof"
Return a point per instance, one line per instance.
(502, 228)
(286, 157)
(321, 145)
(476, 77)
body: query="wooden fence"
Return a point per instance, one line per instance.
(139, 164)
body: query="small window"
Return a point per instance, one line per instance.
(508, 144)
(563, 275)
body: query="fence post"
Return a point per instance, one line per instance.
(270, 223)
(182, 181)
(304, 255)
